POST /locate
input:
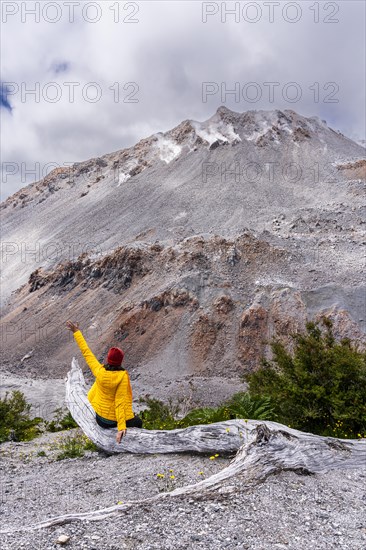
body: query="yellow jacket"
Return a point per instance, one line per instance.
(111, 393)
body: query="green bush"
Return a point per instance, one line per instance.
(62, 421)
(319, 387)
(15, 422)
(74, 446)
(160, 415)
(204, 415)
(244, 405)
(240, 405)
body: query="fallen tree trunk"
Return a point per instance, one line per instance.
(224, 437)
(264, 448)
(265, 451)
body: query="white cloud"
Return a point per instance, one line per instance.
(168, 54)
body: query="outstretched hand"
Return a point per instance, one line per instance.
(119, 435)
(72, 326)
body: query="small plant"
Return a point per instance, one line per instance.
(205, 415)
(62, 421)
(166, 481)
(162, 416)
(159, 415)
(243, 405)
(88, 444)
(240, 405)
(15, 422)
(41, 453)
(74, 446)
(70, 447)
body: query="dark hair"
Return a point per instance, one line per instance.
(107, 366)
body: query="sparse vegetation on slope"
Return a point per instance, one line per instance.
(61, 421)
(74, 446)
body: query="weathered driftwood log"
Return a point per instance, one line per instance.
(266, 450)
(263, 448)
(220, 438)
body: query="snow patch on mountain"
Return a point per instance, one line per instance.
(123, 178)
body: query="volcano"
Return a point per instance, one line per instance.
(191, 250)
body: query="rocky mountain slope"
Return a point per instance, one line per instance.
(189, 250)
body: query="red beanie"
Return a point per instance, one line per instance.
(115, 357)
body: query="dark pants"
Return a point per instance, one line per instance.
(134, 422)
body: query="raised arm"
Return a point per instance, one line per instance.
(88, 355)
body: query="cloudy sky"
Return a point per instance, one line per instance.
(106, 74)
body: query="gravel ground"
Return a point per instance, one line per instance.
(286, 511)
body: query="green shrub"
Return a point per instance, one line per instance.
(160, 415)
(319, 387)
(62, 421)
(244, 405)
(70, 447)
(74, 446)
(240, 405)
(204, 415)
(15, 422)
(89, 445)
